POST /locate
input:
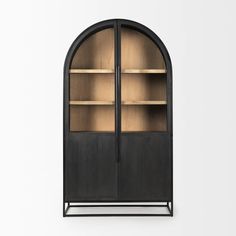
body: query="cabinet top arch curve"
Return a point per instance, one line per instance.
(105, 28)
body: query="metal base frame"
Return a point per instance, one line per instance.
(68, 205)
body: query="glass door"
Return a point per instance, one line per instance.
(92, 84)
(143, 87)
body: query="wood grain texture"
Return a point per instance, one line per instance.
(96, 52)
(145, 167)
(143, 118)
(80, 103)
(142, 87)
(143, 103)
(92, 87)
(91, 172)
(91, 102)
(144, 71)
(125, 71)
(92, 118)
(145, 83)
(138, 51)
(91, 71)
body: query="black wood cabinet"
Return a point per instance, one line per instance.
(118, 121)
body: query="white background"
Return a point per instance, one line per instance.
(35, 36)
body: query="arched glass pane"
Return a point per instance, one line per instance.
(92, 84)
(143, 86)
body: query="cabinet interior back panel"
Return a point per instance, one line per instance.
(96, 52)
(92, 118)
(143, 118)
(139, 52)
(92, 87)
(143, 87)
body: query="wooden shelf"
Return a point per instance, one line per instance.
(91, 102)
(110, 71)
(143, 71)
(91, 71)
(123, 102)
(144, 102)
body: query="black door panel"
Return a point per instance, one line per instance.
(145, 167)
(91, 172)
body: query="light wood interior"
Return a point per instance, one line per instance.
(143, 81)
(91, 71)
(127, 71)
(92, 118)
(113, 102)
(139, 52)
(143, 102)
(92, 84)
(144, 71)
(143, 118)
(143, 86)
(86, 87)
(96, 52)
(91, 102)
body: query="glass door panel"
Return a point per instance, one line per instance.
(143, 84)
(92, 84)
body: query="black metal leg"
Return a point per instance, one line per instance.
(67, 208)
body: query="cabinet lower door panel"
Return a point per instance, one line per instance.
(91, 169)
(145, 167)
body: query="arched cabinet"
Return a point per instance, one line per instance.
(117, 122)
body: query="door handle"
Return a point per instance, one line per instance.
(118, 112)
